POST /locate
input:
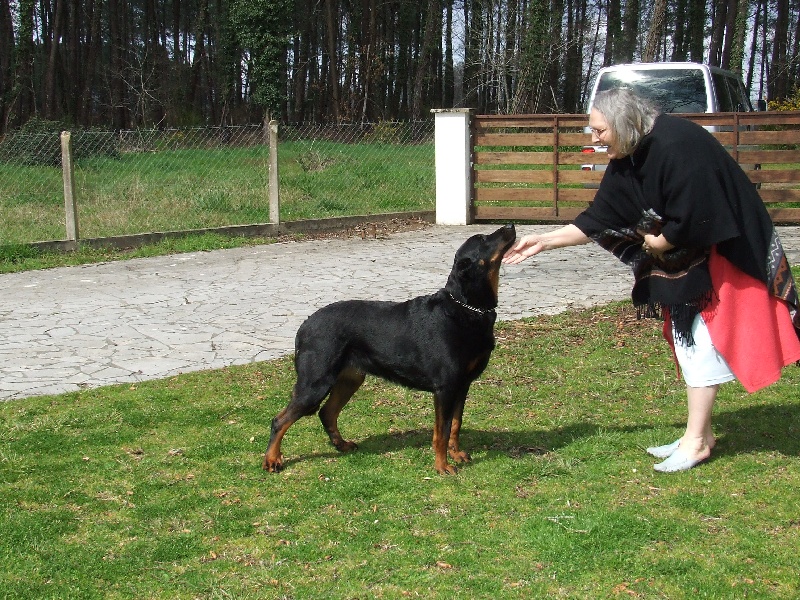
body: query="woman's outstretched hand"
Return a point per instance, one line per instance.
(531, 244)
(527, 246)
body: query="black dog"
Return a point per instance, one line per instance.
(439, 343)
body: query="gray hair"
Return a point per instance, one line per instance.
(629, 116)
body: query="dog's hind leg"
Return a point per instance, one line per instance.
(307, 396)
(346, 385)
(273, 459)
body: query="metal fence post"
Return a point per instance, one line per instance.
(68, 174)
(453, 152)
(274, 191)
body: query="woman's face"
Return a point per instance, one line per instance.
(602, 135)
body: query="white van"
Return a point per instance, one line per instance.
(678, 87)
(674, 87)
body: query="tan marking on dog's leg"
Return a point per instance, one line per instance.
(346, 385)
(273, 459)
(455, 430)
(441, 438)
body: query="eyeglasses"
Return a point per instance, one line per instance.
(598, 132)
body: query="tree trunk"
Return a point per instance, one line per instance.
(510, 68)
(656, 31)
(753, 48)
(731, 16)
(368, 52)
(117, 90)
(778, 85)
(697, 23)
(471, 53)
(433, 28)
(718, 15)
(93, 44)
(448, 98)
(630, 31)
(679, 41)
(331, 30)
(50, 100)
(302, 47)
(7, 45)
(73, 55)
(794, 59)
(573, 62)
(736, 60)
(551, 100)
(613, 32)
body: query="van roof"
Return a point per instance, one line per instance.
(664, 65)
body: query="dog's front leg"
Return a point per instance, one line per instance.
(443, 404)
(457, 454)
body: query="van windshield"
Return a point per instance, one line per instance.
(671, 90)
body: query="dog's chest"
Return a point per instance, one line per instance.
(474, 352)
(477, 365)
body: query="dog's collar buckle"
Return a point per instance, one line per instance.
(480, 311)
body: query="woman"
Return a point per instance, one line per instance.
(705, 256)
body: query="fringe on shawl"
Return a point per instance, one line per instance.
(682, 315)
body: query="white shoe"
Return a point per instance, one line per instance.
(678, 461)
(664, 451)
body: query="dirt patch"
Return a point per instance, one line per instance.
(365, 230)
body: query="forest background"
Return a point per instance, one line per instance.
(127, 64)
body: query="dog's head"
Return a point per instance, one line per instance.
(476, 268)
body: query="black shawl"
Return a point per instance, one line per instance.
(681, 182)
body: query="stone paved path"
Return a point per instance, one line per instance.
(74, 327)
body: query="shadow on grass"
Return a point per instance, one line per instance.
(511, 443)
(772, 428)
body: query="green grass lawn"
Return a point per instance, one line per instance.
(155, 490)
(330, 179)
(143, 192)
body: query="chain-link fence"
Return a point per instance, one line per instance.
(147, 181)
(356, 169)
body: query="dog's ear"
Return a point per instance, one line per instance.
(463, 264)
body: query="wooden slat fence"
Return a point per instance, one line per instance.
(529, 167)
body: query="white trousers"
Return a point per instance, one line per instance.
(701, 364)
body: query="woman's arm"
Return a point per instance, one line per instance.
(656, 245)
(532, 244)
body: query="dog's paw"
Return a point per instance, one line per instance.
(273, 465)
(446, 469)
(460, 456)
(345, 446)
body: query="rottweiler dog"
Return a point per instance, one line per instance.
(438, 343)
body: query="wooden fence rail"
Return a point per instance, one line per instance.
(535, 167)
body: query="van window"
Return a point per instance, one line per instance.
(724, 101)
(739, 97)
(731, 96)
(671, 90)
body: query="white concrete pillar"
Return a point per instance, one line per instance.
(453, 166)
